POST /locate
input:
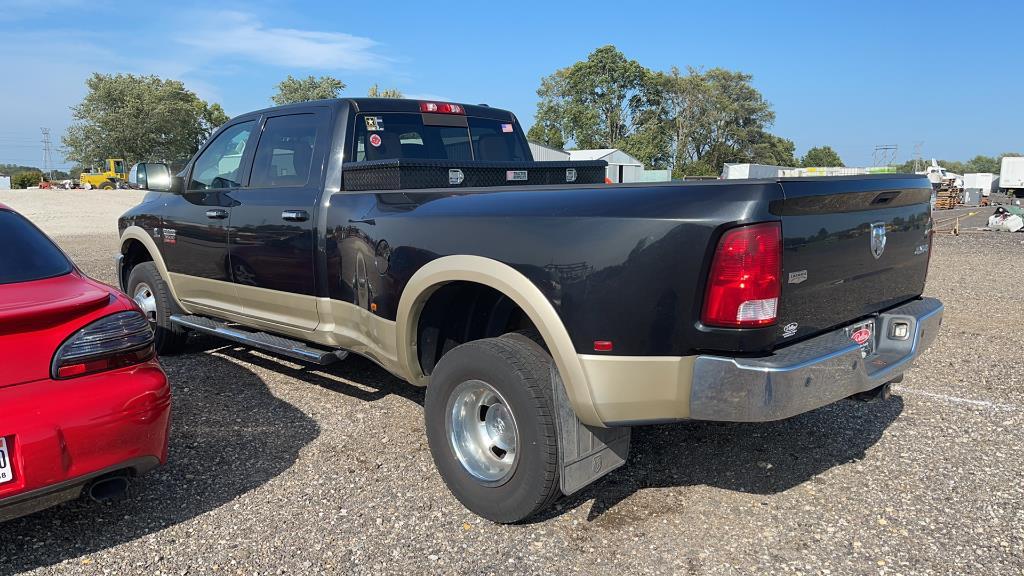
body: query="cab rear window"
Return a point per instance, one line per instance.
(391, 135)
(26, 254)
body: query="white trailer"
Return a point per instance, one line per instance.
(1011, 174)
(746, 171)
(979, 183)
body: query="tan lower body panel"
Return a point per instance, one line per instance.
(204, 293)
(634, 389)
(323, 321)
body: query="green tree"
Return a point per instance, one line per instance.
(774, 151)
(955, 166)
(715, 117)
(13, 170)
(604, 101)
(376, 92)
(983, 164)
(138, 118)
(293, 89)
(26, 179)
(990, 164)
(821, 156)
(546, 134)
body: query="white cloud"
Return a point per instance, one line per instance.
(242, 35)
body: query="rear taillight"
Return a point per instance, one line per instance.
(441, 108)
(743, 285)
(112, 342)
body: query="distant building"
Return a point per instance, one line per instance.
(542, 153)
(5, 182)
(621, 166)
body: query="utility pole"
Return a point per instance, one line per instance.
(47, 154)
(918, 162)
(884, 155)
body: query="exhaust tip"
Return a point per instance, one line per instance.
(108, 488)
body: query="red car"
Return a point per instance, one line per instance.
(84, 404)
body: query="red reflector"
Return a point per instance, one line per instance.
(113, 362)
(441, 108)
(744, 282)
(603, 345)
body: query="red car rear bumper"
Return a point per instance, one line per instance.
(62, 434)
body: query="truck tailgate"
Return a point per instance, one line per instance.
(851, 247)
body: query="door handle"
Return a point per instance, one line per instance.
(295, 215)
(217, 214)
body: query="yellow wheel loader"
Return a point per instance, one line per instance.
(113, 172)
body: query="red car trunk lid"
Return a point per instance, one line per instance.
(35, 317)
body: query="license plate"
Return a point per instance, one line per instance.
(6, 475)
(516, 175)
(864, 334)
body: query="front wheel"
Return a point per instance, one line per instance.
(153, 295)
(108, 185)
(490, 420)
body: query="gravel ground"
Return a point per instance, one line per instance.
(281, 468)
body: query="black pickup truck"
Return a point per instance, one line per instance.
(545, 311)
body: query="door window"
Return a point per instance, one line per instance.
(284, 155)
(218, 165)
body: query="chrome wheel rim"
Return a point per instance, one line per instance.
(482, 431)
(146, 300)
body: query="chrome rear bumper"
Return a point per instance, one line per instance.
(810, 374)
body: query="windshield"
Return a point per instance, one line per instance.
(26, 254)
(386, 136)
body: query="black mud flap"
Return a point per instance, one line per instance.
(587, 453)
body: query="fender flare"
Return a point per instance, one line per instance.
(140, 235)
(512, 284)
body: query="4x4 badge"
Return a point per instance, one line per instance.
(877, 239)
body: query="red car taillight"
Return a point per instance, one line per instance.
(744, 283)
(112, 342)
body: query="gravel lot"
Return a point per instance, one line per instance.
(281, 468)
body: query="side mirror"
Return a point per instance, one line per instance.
(150, 176)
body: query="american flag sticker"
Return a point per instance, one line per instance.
(506, 127)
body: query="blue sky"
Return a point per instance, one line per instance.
(850, 75)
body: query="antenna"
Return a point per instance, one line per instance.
(47, 154)
(884, 155)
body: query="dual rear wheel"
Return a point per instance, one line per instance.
(490, 420)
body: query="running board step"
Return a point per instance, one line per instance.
(261, 340)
